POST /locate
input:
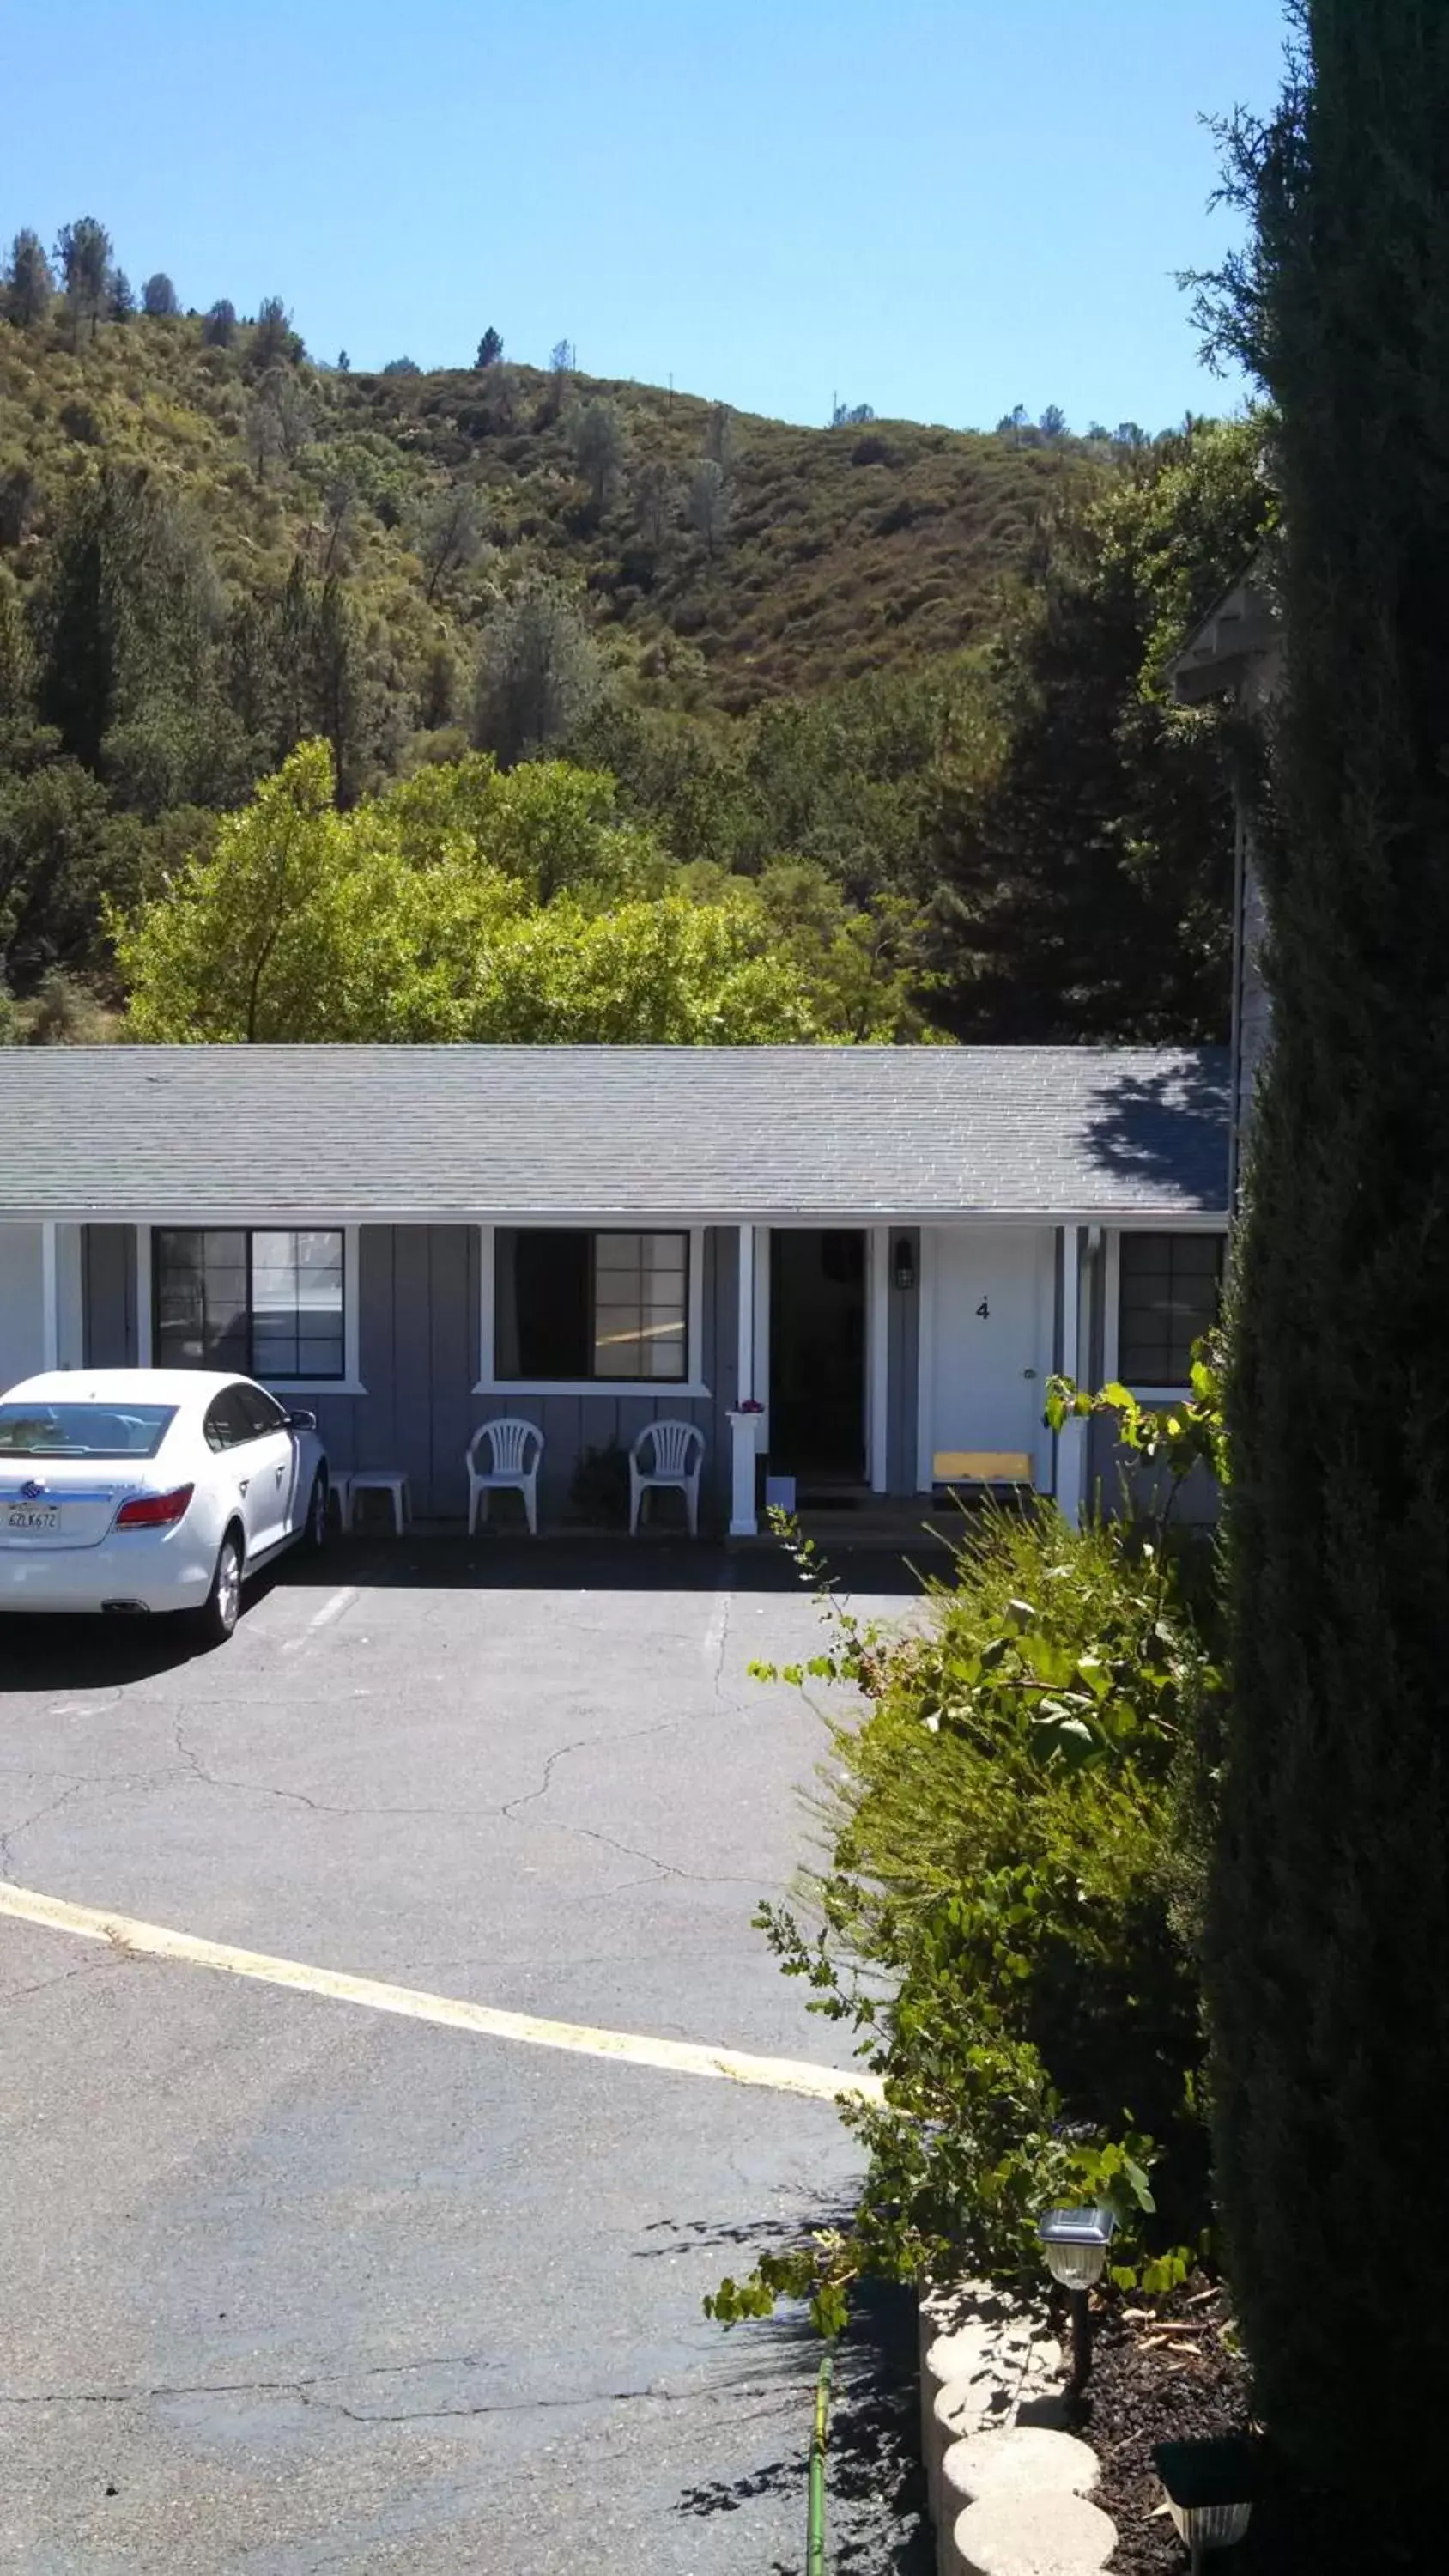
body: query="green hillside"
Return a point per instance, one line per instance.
(841, 551)
(906, 681)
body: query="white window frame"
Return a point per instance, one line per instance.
(350, 1382)
(1112, 1320)
(690, 1388)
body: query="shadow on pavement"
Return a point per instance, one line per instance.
(876, 2522)
(503, 1563)
(80, 1652)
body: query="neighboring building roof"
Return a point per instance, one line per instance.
(1238, 630)
(512, 1133)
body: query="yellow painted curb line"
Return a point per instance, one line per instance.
(672, 2056)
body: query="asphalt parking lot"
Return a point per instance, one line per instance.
(294, 2284)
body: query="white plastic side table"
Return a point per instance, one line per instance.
(380, 1480)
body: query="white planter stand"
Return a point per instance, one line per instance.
(744, 1440)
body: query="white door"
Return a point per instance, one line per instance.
(992, 1302)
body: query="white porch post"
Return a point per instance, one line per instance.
(926, 1364)
(1072, 1438)
(880, 1340)
(744, 1427)
(49, 1297)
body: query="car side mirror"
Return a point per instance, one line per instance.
(300, 1420)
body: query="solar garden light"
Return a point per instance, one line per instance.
(1075, 2243)
(1211, 2489)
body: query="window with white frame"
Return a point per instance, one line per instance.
(574, 1307)
(268, 1302)
(1169, 1290)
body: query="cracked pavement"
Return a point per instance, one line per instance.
(290, 2286)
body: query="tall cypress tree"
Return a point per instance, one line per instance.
(1328, 1938)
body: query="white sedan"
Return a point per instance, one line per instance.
(151, 1489)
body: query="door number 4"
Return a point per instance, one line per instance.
(984, 1309)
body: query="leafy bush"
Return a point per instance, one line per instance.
(998, 1919)
(599, 1494)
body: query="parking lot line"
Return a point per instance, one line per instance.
(331, 1609)
(672, 2056)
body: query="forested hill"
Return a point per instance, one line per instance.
(745, 557)
(913, 665)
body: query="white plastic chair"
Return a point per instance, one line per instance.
(678, 1449)
(516, 1449)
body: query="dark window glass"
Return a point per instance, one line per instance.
(122, 1430)
(270, 1302)
(260, 1410)
(580, 1306)
(201, 1300)
(551, 1273)
(1170, 1288)
(229, 1423)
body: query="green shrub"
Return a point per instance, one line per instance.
(599, 1493)
(999, 1918)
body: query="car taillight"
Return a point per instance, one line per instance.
(154, 1511)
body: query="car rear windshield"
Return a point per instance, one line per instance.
(83, 1430)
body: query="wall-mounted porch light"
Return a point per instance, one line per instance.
(905, 1262)
(1075, 2243)
(1211, 2490)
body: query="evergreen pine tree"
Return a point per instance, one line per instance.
(1328, 1934)
(29, 285)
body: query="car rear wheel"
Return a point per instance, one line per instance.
(314, 1528)
(222, 1609)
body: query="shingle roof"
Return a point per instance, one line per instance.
(687, 1132)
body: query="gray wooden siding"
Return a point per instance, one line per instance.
(108, 1295)
(1114, 1481)
(419, 1361)
(903, 1368)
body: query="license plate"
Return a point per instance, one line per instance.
(33, 1516)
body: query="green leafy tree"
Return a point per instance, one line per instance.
(403, 920)
(29, 285)
(122, 304)
(709, 502)
(450, 534)
(273, 340)
(654, 499)
(127, 615)
(344, 698)
(719, 437)
(1329, 1924)
(158, 296)
(53, 869)
(83, 256)
(596, 434)
(341, 504)
(219, 328)
(1082, 848)
(538, 673)
(402, 367)
(223, 955)
(490, 348)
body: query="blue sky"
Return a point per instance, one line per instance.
(940, 207)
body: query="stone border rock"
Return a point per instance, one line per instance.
(1009, 2484)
